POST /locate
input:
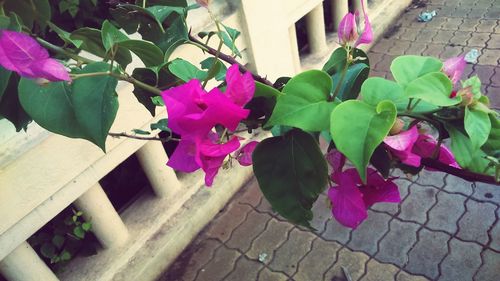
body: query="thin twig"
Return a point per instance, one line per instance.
(125, 135)
(464, 174)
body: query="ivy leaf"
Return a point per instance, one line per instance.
(434, 88)
(79, 232)
(305, 102)
(291, 172)
(405, 69)
(58, 241)
(95, 102)
(478, 126)
(353, 79)
(358, 140)
(175, 35)
(229, 39)
(186, 70)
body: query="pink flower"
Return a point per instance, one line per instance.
(410, 146)
(454, 67)
(351, 199)
(244, 155)
(348, 30)
(240, 87)
(22, 54)
(336, 159)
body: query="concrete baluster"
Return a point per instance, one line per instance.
(316, 31)
(23, 264)
(295, 48)
(339, 9)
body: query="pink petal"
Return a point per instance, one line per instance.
(425, 147)
(347, 30)
(367, 35)
(244, 155)
(211, 156)
(221, 110)
(401, 146)
(348, 206)
(240, 88)
(454, 67)
(379, 190)
(183, 158)
(51, 70)
(336, 159)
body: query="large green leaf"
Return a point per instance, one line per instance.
(64, 35)
(357, 128)
(263, 90)
(218, 71)
(353, 79)
(95, 102)
(291, 172)
(10, 107)
(405, 69)
(434, 88)
(111, 35)
(30, 11)
(149, 77)
(51, 107)
(305, 102)
(336, 62)
(186, 70)
(174, 36)
(492, 145)
(148, 52)
(478, 126)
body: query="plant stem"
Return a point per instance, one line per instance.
(415, 105)
(65, 52)
(461, 173)
(408, 107)
(221, 42)
(125, 135)
(342, 77)
(123, 77)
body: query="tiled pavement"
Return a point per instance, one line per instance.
(444, 229)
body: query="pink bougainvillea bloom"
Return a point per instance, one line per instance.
(22, 54)
(211, 155)
(336, 159)
(377, 189)
(193, 112)
(425, 147)
(454, 67)
(401, 146)
(184, 157)
(240, 87)
(348, 29)
(244, 155)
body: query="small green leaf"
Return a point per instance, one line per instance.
(95, 102)
(305, 102)
(157, 101)
(30, 11)
(263, 90)
(434, 88)
(111, 35)
(336, 62)
(140, 132)
(58, 241)
(475, 85)
(218, 72)
(64, 35)
(149, 77)
(65, 256)
(478, 126)
(353, 79)
(48, 250)
(186, 70)
(229, 39)
(86, 226)
(405, 69)
(161, 125)
(149, 53)
(175, 35)
(492, 145)
(358, 140)
(291, 172)
(79, 232)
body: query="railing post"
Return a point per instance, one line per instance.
(23, 264)
(295, 47)
(153, 159)
(106, 223)
(339, 9)
(316, 32)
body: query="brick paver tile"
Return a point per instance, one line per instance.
(354, 262)
(425, 256)
(462, 262)
(385, 64)
(487, 192)
(222, 226)
(434, 49)
(191, 260)
(416, 48)
(403, 276)
(494, 42)
(433, 178)
(366, 236)
(265, 207)
(461, 37)
(492, 13)
(426, 35)
(393, 208)
(244, 269)
(376, 73)
(469, 24)
(490, 270)
(382, 46)
(476, 222)
(484, 72)
(318, 261)
(443, 36)
(476, 13)
(376, 271)
(395, 245)
(244, 234)
(289, 254)
(222, 263)
(458, 185)
(322, 212)
(275, 234)
(416, 205)
(435, 23)
(268, 275)
(495, 80)
(486, 25)
(251, 194)
(445, 214)
(409, 34)
(462, 12)
(494, 95)
(495, 236)
(452, 51)
(375, 58)
(399, 48)
(478, 40)
(336, 232)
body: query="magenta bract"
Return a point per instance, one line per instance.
(244, 155)
(454, 68)
(348, 29)
(22, 54)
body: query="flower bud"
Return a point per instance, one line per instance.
(347, 30)
(467, 96)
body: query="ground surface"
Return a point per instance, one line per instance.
(444, 229)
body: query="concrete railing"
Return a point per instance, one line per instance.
(41, 178)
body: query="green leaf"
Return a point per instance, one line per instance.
(218, 72)
(140, 132)
(157, 101)
(79, 232)
(492, 145)
(434, 88)
(175, 35)
(475, 85)
(51, 107)
(186, 70)
(149, 53)
(305, 103)
(336, 62)
(30, 11)
(111, 35)
(405, 69)
(4, 80)
(86, 226)
(161, 125)
(263, 90)
(291, 172)
(149, 77)
(478, 126)
(65, 256)
(95, 102)
(48, 250)
(58, 241)
(229, 39)
(64, 35)
(353, 79)
(69, 5)
(358, 140)
(10, 107)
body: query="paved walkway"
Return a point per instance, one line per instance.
(445, 228)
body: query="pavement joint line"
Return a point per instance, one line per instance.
(234, 266)
(304, 256)
(481, 255)
(279, 246)
(211, 258)
(490, 236)
(448, 248)
(342, 246)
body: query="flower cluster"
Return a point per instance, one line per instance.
(193, 113)
(349, 33)
(22, 54)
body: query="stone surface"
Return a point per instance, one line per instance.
(368, 233)
(487, 192)
(462, 262)
(268, 275)
(395, 245)
(250, 194)
(227, 221)
(393, 208)
(336, 232)
(445, 214)
(418, 202)
(431, 178)
(426, 255)
(403, 276)
(244, 269)
(275, 234)
(219, 266)
(322, 212)
(476, 222)
(354, 262)
(376, 271)
(317, 261)
(490, 270)
(289, 254)
(244, 234)
(458, 185)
